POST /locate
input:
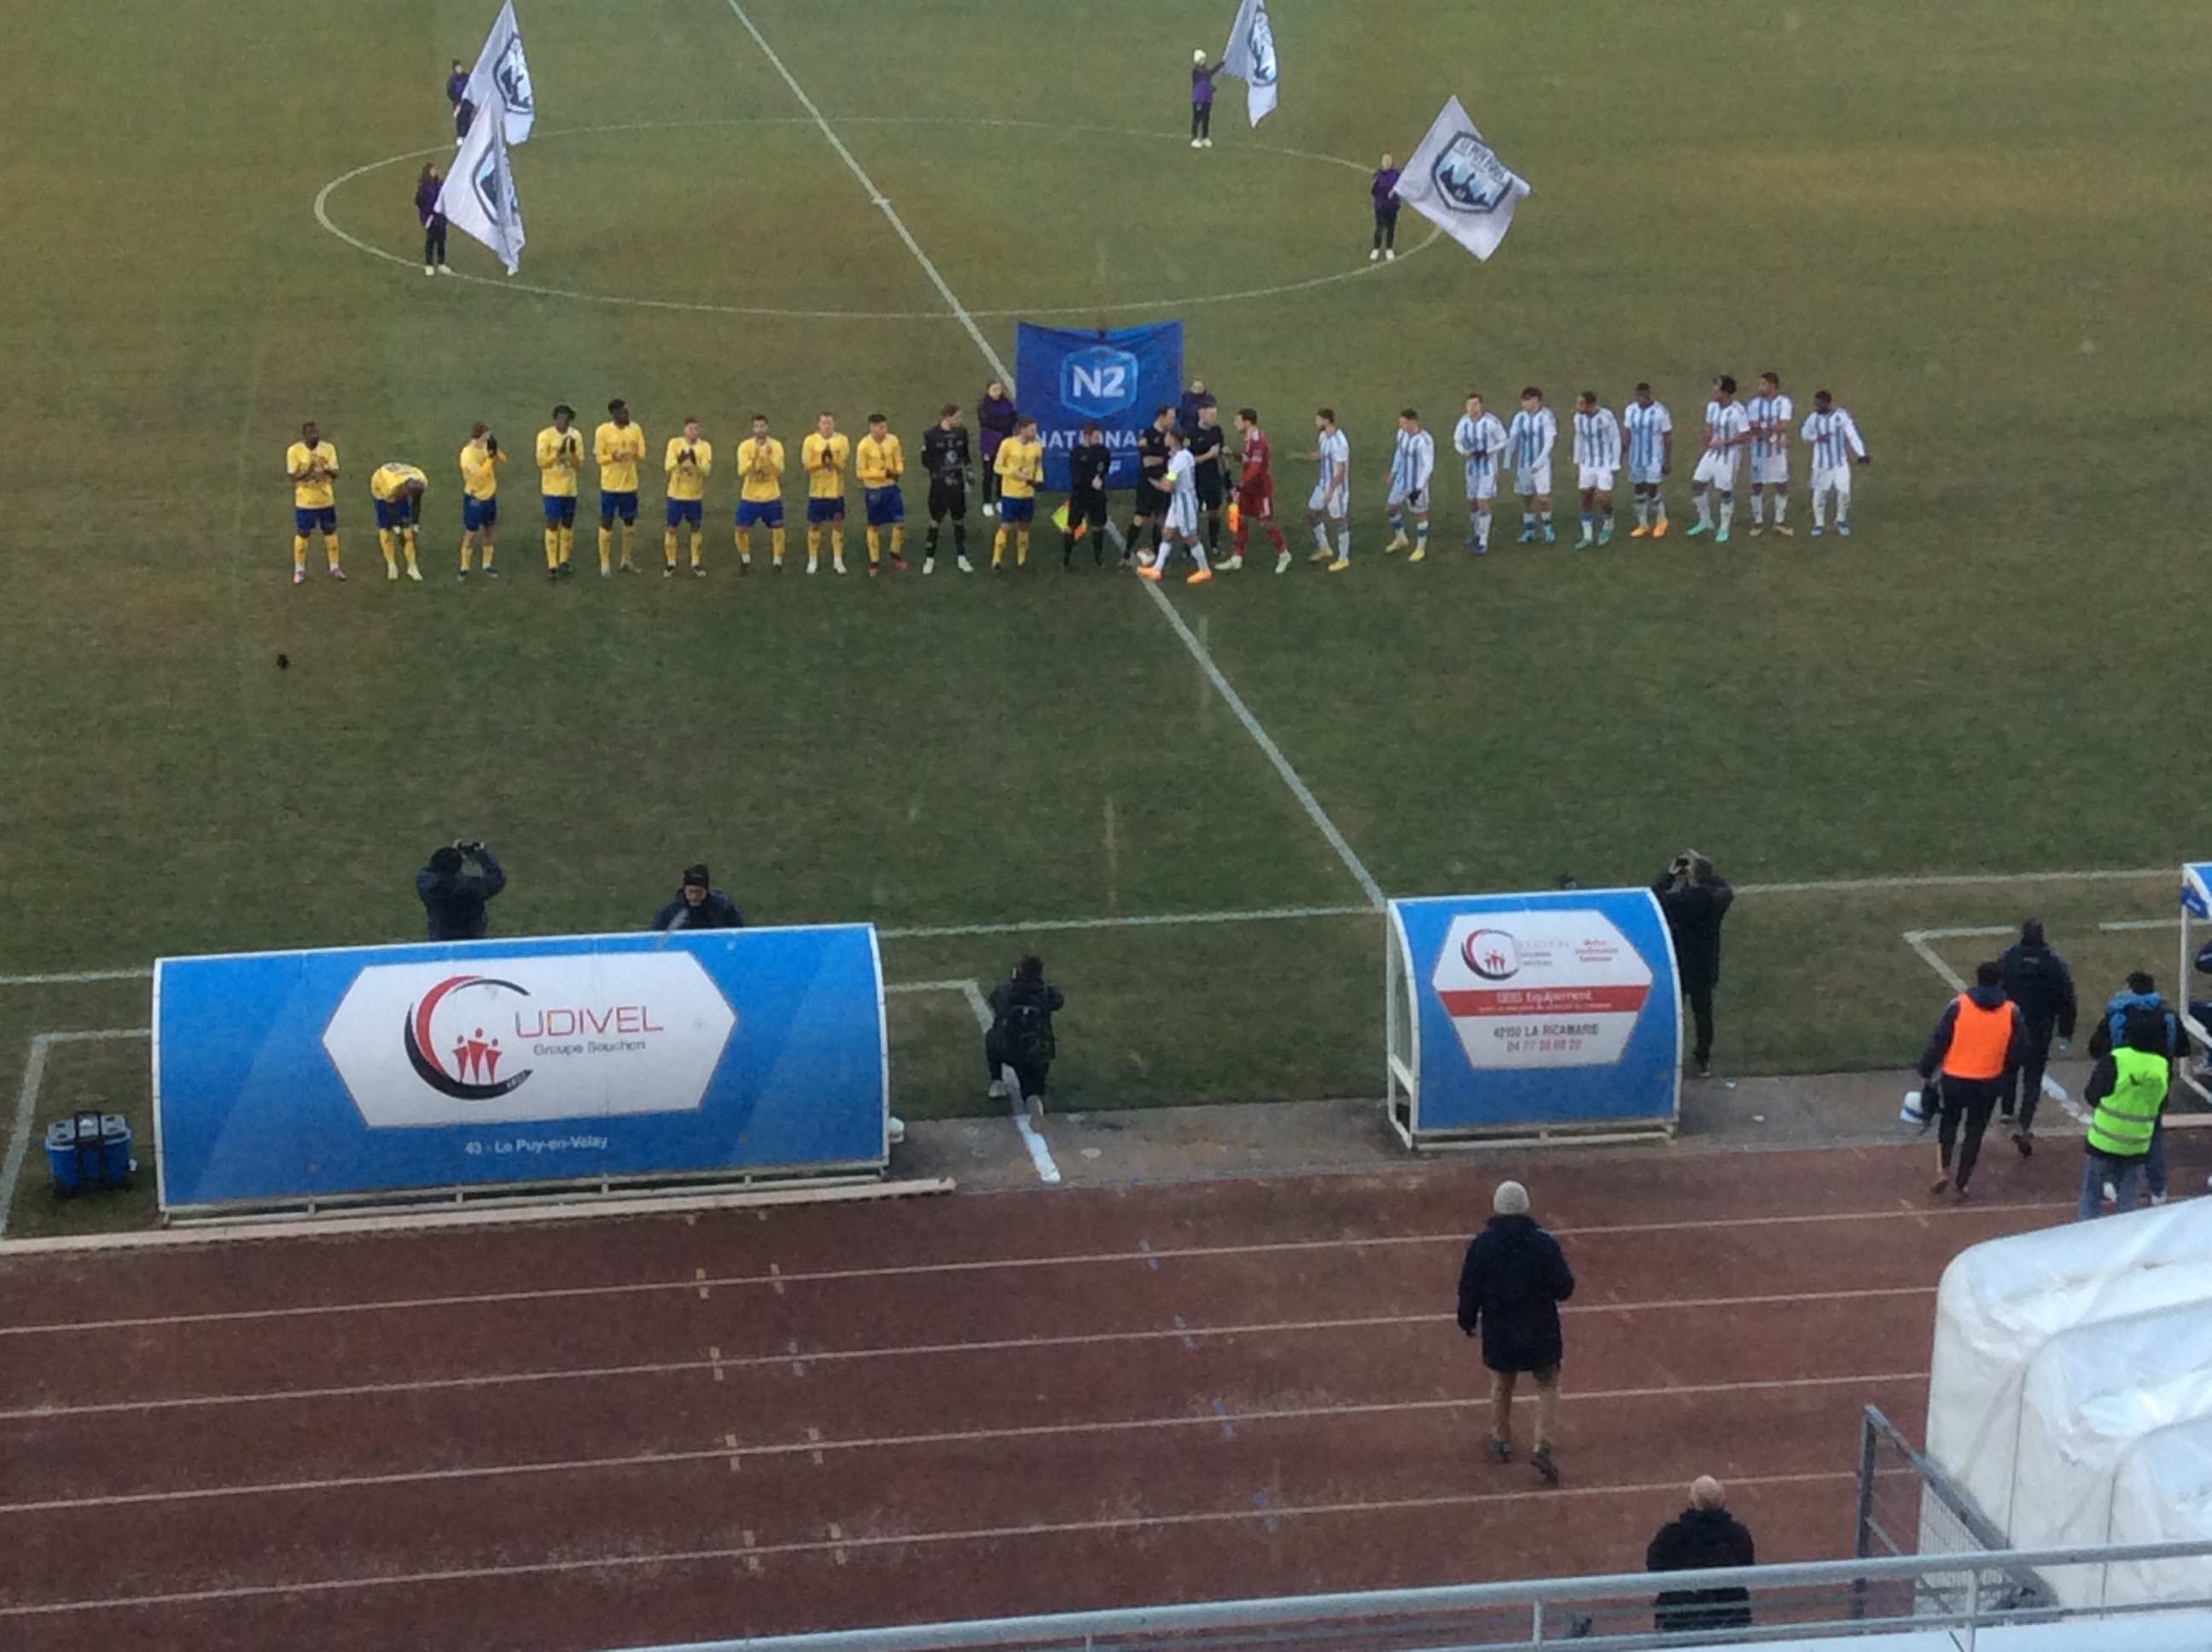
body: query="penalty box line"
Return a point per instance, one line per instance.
(1299, 789)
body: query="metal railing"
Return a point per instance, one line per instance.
(1978, 1589)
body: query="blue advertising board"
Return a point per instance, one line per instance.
(1112, 378)
(287, 1077)
(1527, 1014)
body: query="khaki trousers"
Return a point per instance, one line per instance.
(1547, 1405)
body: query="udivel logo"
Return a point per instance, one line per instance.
(474, 1074)
(572, 1035)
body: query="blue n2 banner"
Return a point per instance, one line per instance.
(1114, 379)
(284, 1076)
(1531, 1012)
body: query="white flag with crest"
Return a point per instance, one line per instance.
(477, 196)
(1455, 182)
(500, 83)
(1250, 57)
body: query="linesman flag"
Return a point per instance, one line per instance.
(501, 80)
(1250, 56)
(477, 196)
(1455, 182)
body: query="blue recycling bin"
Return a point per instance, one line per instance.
(89, 1151)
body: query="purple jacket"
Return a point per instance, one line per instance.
(457, 87)
(994, 417)
(1385, 181)
(426, 198)
(1202, 84)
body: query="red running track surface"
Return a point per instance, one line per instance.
(609, 1434)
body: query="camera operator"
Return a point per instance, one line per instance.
(1021, 1035)
(1695, 898)
(453, 897)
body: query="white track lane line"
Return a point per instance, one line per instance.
(1131, 1523)
(1209, 1419)
(1091, 1259)
(731, 1362)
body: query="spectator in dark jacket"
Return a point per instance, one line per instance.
(699, 905)
(1703, 1536)
(2036, 979)
(994, 423)
(1021, 1039)
(453, 897)
(1695, 898)
(1510, 1288)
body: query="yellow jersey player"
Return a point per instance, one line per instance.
(879, 462)
(480, 462)
(311, 464)
(760, 494)
(1020, 467)
(825, 456)
(560, 456)
(397, 490)
(618, 446)
(687, 463)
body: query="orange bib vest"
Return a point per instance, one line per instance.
(1979, 1038)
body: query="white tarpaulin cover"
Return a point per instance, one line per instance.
(2001, 1301)
(2163, 1494)
(2091, 1394)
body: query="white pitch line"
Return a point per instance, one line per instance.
(968, 1436)
(865, 1541)
(70, 978)
(27, 1102)
(881, 201)
(1161, 920)
(1951, 880)
(1236, 704)
(1289, 775)
(2141, 923)
(983, 1265)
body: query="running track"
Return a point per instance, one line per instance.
(601, 1434)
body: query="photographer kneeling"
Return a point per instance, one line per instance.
(453, 897)
(1020, 1037)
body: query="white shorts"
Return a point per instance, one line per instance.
(1482, 482)
(1319, 503)
(1416, 502)
(1181, 517)
(1643, 475)
(1536, 479)
(1592, 476)
(1838, 479)
(1773, 472)
(1716, 469)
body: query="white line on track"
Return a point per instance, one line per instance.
(984, 1264)
(865, 1542)
(999, 1346)
(814, 1447)
(27, 1102)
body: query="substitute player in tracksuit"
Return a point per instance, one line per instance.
(1978, 1046)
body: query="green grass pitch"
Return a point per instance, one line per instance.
(1979, 224)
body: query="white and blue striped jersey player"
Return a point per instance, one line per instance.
(1412, 464)
(1331, 500)
(1598, 460)
(1835, 441)
(1770, 413)
(1479, 440)
(1727, 427)
(1531, 436)
(1649, 430)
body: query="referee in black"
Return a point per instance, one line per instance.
(1152, 470)
(1205, 455)
(944, 458)
(1087, 465)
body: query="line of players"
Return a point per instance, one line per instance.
(1181, 479)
